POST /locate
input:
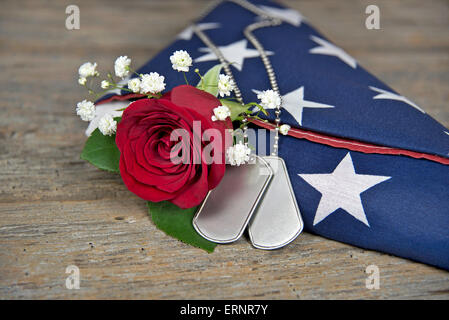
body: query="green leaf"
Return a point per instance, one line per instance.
(235, 107)
(177, 223)
(102, 152)
(210, 80)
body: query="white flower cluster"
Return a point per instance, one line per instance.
(284, 129)
(107, 125)
(269, 99)
(151, 83)
(121, 66)
(181, 61)
(87, 70)
(105, 84)
(134, 85)
(225, 85)
(221, 113)
(238, 154)
(86, 110)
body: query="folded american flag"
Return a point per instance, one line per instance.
(368, 166)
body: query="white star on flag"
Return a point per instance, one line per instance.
(342, 189)
(384, 94)
(330, 49)
(187, 33)
(294, 103)
(235, 53)
(288, 15)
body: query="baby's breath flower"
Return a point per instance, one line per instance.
(238, 154)
(121, 66)
(269, 99)
(82, 81)
(105, 84)
(225, 85)
(221, 113)
(181, 60)
(86, 110)
(87, 70)
(284, 129)
(134, 85)
(114, 108)
(107, 125)
(152, 83)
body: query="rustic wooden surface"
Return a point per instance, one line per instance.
(56, 210)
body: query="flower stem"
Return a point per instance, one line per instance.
(201, 78)
(133, 71)
(185, 78)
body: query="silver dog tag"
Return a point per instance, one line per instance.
(277, 220)
(226, 210)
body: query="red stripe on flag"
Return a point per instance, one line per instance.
(321, 138)
(353, 145)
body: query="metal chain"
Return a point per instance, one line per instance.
(227, 69)
(269, 21)
(208, 42)
(269, 68)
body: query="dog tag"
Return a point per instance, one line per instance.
(227, 209)
(277, 220)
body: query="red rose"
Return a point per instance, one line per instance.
(143, 138)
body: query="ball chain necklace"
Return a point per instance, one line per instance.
(259, 196)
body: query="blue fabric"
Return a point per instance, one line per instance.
(326, 79)
(408, 214)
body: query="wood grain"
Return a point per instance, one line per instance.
(56, 210)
